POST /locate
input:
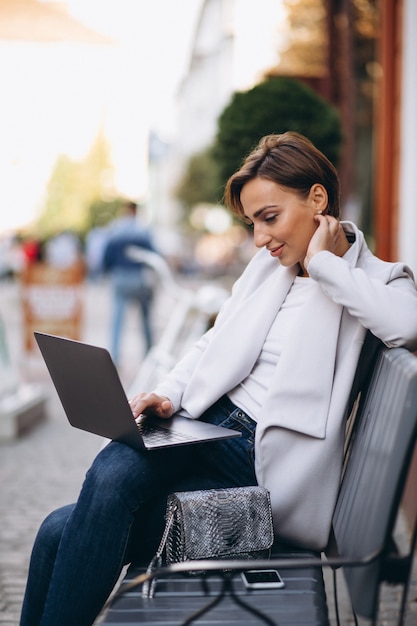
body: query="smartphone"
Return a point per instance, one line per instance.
(262, 579)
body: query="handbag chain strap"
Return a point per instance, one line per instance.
(148, 588)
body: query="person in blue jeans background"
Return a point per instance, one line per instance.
(278, 365)
(131, 282)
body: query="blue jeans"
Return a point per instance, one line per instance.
(130, 286)
(81, 548)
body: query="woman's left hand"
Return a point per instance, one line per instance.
(329, 235)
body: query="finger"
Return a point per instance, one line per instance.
(322, 220)
(139, 403)
(151, 404)
(165, 408)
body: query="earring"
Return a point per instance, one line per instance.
(319, 212)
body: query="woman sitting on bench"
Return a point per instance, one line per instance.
(278, 365)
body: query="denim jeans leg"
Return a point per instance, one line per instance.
(92, 548)
(119, 305)
(79, 552)
(42, 564)
(145, 304)
(230, 462)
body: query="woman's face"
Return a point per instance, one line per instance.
(282, 220)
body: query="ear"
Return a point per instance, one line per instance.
(319, 197)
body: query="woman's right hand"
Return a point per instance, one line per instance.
(151, 404)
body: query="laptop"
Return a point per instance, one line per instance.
(94, 399)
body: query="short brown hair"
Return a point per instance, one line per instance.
(290, 160)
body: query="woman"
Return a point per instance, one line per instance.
(278, 365)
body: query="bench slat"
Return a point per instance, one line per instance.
(375, 475)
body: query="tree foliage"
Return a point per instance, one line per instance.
(306, 33)
(274, 106)
(102, 212)
(73, 187)
(201, 181)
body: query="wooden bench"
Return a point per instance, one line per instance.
(378, 456)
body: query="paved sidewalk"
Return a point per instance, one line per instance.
(44, 469)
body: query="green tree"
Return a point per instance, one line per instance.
(274, 106)
(201, 181)
(101, 212)
(73, 187)
(58, 212)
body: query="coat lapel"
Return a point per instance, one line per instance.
(300, 390)
(236, 343)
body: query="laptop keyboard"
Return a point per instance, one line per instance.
(153, 434)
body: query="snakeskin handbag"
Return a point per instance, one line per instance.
(234, 523)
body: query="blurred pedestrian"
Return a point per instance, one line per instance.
(131, 280)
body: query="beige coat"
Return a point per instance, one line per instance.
(300, 431)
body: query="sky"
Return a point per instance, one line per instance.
(60, 94)
(155, 36)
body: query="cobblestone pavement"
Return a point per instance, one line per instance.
(44, 469)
